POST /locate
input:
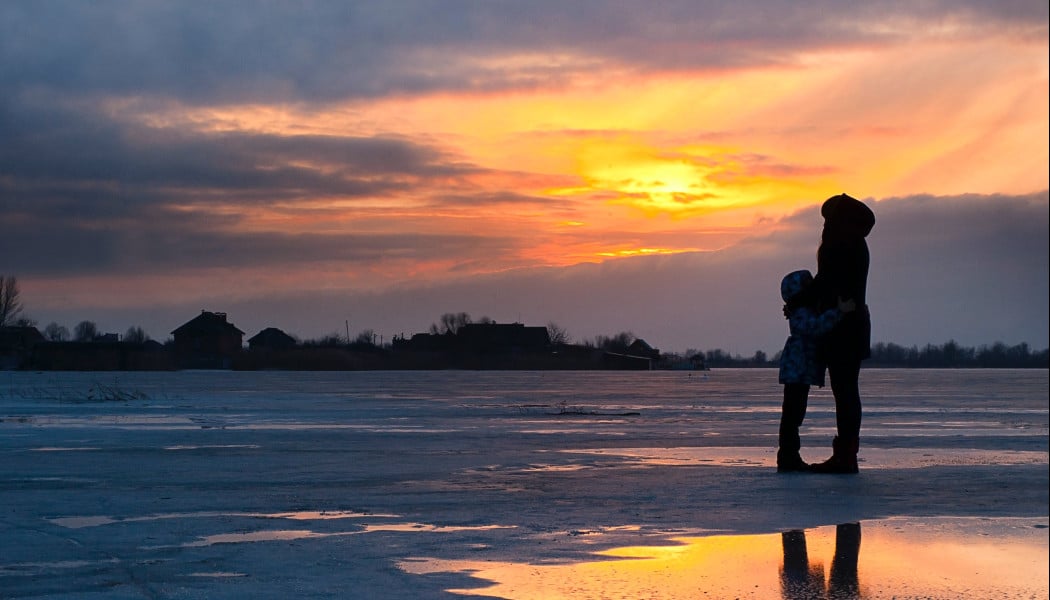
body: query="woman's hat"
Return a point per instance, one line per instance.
(847, 213)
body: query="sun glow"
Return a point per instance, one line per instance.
(634, 164)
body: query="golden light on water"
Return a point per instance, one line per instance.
(850, 561)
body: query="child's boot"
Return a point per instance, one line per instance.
(790, 462)
(788, 458)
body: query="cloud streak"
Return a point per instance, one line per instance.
(332, 50)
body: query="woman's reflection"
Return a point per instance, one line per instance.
(800, 581)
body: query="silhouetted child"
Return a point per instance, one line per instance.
(800, 365)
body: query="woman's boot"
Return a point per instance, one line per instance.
(843, 457)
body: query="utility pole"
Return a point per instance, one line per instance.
(348, 332)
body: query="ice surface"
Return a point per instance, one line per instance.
(514, 484)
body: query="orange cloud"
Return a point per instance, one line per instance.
(665, 154)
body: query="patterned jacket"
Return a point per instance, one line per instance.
(800, 362)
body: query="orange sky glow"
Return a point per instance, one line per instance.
(650, 163)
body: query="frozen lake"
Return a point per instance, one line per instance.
(516, 485)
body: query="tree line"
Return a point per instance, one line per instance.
(948, 355)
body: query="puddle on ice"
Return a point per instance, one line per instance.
(213, 447)
(871, 458)
(99, 520)
(882, 559)
(285, 535)
(274, 534)
(35, 567)
(423, 527)
(80, 522)
(255, 536)
(551, 431)
(706, 455)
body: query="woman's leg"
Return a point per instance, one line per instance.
(845, 384)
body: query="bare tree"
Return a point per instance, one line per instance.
(451, 322)
(557, 333)
(136, 335)
(367, 337)
(10, 301)
(85, 331)
(616, 343)
(55, 332)
(330, 340)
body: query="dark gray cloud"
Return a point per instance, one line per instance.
(82, 193)
(46, 140)
(970, 268)
(176, 245)
(95, 232)
(317, 51)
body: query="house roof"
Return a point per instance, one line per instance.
(510, 334)
(19, 336)
(271, 336)
(640, 347)
(207, 323)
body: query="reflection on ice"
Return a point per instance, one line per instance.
(801, 579)
(270, 535)
(688, 455)
(288, 535)
(893, 561)
(257, 536)
(884, 458)
(423, 527)
(231, 422)
(556, 431)
(278, 535)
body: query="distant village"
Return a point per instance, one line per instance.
(211, 341)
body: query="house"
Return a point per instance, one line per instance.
(271, 338)
(16, 344)
(208, 341)
(638, 356)
(495, 337)
(639, 347)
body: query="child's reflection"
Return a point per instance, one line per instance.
(800, 581)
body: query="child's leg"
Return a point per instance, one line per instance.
(793, 412)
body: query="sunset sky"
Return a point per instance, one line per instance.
(646, 166)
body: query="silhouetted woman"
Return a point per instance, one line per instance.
(842, 272)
